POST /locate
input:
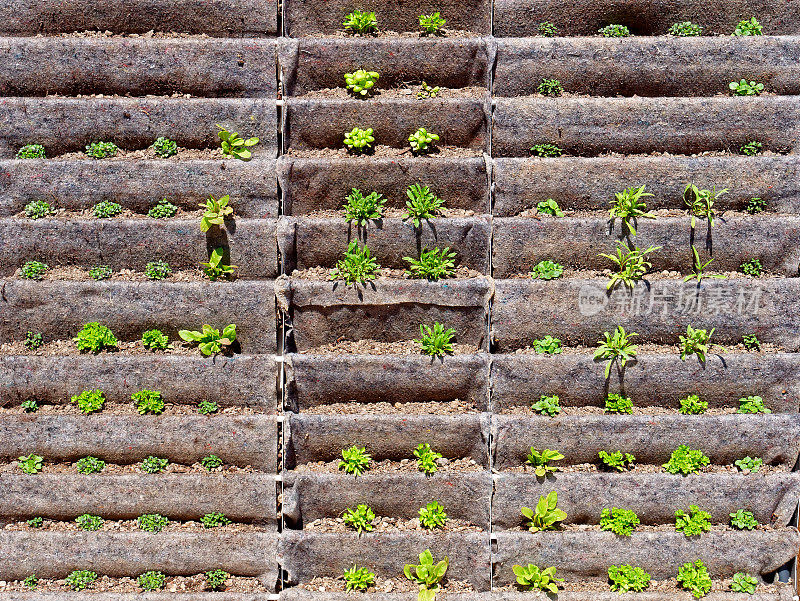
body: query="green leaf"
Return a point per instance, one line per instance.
(190, 336)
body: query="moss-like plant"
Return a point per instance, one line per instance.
(164, 147)
(38, 209)
(33, 270)
(31, 151)
(102, 150)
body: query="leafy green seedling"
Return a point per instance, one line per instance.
(547, 29)
(696, 342)
(745, 88)
(426, 458)
(215, 212)
(79, 580)
(614, 31)
(151, 580)
(157, 270)
(148, 402)
(547, 346)
(90, 465)
(361, 209)
(621, 522)
(422, 141)
(549, 207)
(162, 210)
(153, 465)
(155, 340)
(216, 579)
(432, 516)
(628, 206)
(752, 268)
(88, 522)
(211, 462)
(685, 29)
(36, 522)
(89, 401)
(359, 519)
(531, 577)
(421, 204)
(427, 91)
(164, 147)
(360, 22)
(359, 140)
(360, 83)
(748, 27)
(215, 268)
(214, 519)
(33, 340)
(751, 149)
(692, 405)
(427, 574)
(31, 151)
(432, 24)
(744, 583)
(699, 268)
(546, 150)
(106, 209)
(617, 460)
(540, 460)
(743, 520)
(756, 205)
(358, 578)
(102, 150)
(436, 341)
(152, 522)
(751, 342)
(546, 515)
(693, 523)
(547, 405)
(233, 145)
(550, 87)
(101, 272)
(694, 578)
(33, 270)
(355, 460)
(38, 209)
(631, 264)
(432, 265)
(685, 460)
(701, 202)
(547, 270)
(616, 348)
(356, 267)
(30, 464)
(616, 403)
(29, 406)
(210, 340)
(207, 407)
(628, 579)
(749, 465)
(752, 404)
(31, 582)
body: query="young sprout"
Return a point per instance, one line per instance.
(533, 577)
(436, 341)
(617, 460)
(547, 270)
(547, 150)
(38, 209)
(209, 340)
(29, 406)
(215, 519)
(427, 574)
(358, 578)
(102, 150)
(692, 405)
(751, 149)
(33, 270)
(749, 465)
(751, 342)
(540, 460)
(745, 88)
(550, 87)
(743, 520)
(31, 151)
(359, 140)
(162, 210)
(628, 206)
(693, 523)
(148, 402)
(701, 202)
(233, 145)
(698, 268)
(752, 405)
(422, 141)
(756, 205)
(157, 270)
(547, 29)
(152, 580)
(78, 580)
(614, 31)
(89, 401)
(549, 207)
(748, 27)
(685, 460)
(360, 22)
(693, 577)
(621, 522)
(215, 212)
(616, 403)
(626, 578)
(154, 465)
(95, 337)
(164, 147)
(685, 29)
(359, 519)
(30, 464)
(752, 268)
(547, 346)
(616, 348)
(216, 579)
(744, 583)
(207, 407)
(361, 82)
(432, 516)
(421, 204)
(428, 91)
(356, 267)
(631, 265)
(431, 24)
(361, 209)
(106, 209)
(215, 268)
(547, 405)
(696, 342)
(355, 460)
(432, 264)
(211, 462)
(426, 458)
(100, 272)
(546, 515)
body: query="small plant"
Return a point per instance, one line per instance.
(614, 31)
(432, 24)
(100, 272)
(79, 580)
(33, 270)
(616, 348)
(89, 522)
(359, 140)
(751, 149)
(30, 464)
(211, 462)
(547, 270)
(744, 583)
(616, 403)
(152, 522)
(631, 265)
(151, 580)
(102, 150)
(547, 29)
(436, 341)
(696, 342)
(748, 464)
(355, 460)
(752, 404)
(361, 22)
(215, 519)
(358, 578)
(751, 342)
(89, 401)
(692, 405)
(541, 461)
(157, 270)
(163, 210)
(216, 211)
(155, 340)
(747, 27)
(148, 401)
(361, 209)
(233, 145)
(29, 406)
(621, 522)
(533, 577)
(164, 147)
(628, 579)
(432, 516)
(546, 150)
(547, 405)
(701, 202)
(427, 91)
(426, 458)
(743, 520)
(106, 209)
(547, 346)
(685, 29)
(153, 465)
(628, 206)
(550, 87)
(357, 266)
(427, 574)
(215, 268)
(33, 340)
(31, 582)
(36, 522)
(90, 465)
(752, 268)
(207, 407)
(209, 340)
(432, 265)
(360, 518)
(549, 207)
(422, 141)
(756, 205)
(31, 151)
(617, 460)
(693, 523)
(745, 88)
(360, 82)
(546, 515)
(421, 204)
(38, 209)
(694, 578)
(685, 460)
(216, 579)
(699, 268)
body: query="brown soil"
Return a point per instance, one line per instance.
(383, 274)
(391, 212)
(67, 347)
(381, 152)
(407, 92)
(173, 584)
(115, 469)
(392, 467)
(374, 347)
(81, 274)
(121, 409)
(132, 526)
(147, 35)
(383, 585)
(650, 469)
(664, 586)
(455, 407)
(184, 154)
(72, 215)
(386, 524)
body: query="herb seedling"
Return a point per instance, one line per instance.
(215, 268)
(616, 403)
(360, 208)
(546, 150)
(215, 519)
(153, 465)
(701, 202)
(427, 574)
(233, 145)
(151, 580)
(100, 272)
(692, 405)
(152, 522)
(432, 516)
(357, 266)
(693, 523)
(106, 209)
(31, 582)
(211, 462)
(31, 151)
(33, 340)
(751, 149)
(432, 265)
(30, 464)
(749, 465)
(89, 401)
(427, 91)
(360, 22)
(359, 140)
(360, 83)
(421, 204)
(79, 580)
(155, 340)
(617, 460)
(547, 270)
(744, 583)
(547, 405)
(745, 88)
(162, 210)
(631, 264)
(540, 460)
(29, 406)
(546, 515)
(685, 29)
(628, 579)
(621, 522)
(751, 342)
(616, 348)
(216, 579)
(756, 205)
(432, 24)
(752, 404)
(33, 270)
(743, 520)
(102, 150)
(216, 211)
(628, 206)
(752, 268)
(164, 147)
(694, 578)
(696, 342)
(88, 522)
(550, 87)
(614, 31)
(436, 341)
(36, 522)
(549, 207)
(358, 578)
(533, 577)
(359, 519)
(748, 27)
(148, 402)
(209, 340)
(547, 29)
(38, 209)
(157, 270)
(422, 141)
(207, 407)
(426, 458)
(547, 346)
(685, 460)
(355, 460)
(699, 268)
(90, 465)
(95, 337)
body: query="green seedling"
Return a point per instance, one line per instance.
(215, 519)
(744, 583)
(207, 407)
(685, 29)
(155, 340)
(360, 22)
(547, 405)
(549, 207)
(152, 522)
(102, 150)
(696, 342)
(693, 523)
(361, 209)
(616, 348)
(90, 465)
(427, 91)
(233, 145)
(355, 460)
(29, 406)
(38, 209)
(752, 268)
(546, 150)
(547, 270)
(215, 212)
(540, 460)
(749, 465)
(31, 151)
(631, 264)
(701, 202)
(621, 522)
(360, 83)
(694, 578)
(614, 31)
(88, 522)
(531, 577)
(751, 149)
(148, 402)
(685, 460)
(421, 204)
(432, 24)
(422, 141)
(33, 340)
(215, 269)
(356, 267)
(748, 27)
(432, 516)
(164, 147)
(157, 270)
(547, 29)
(101, 272)
(745, 88)
(699, 269)
(432, 265)
(628, 207)
(426, 458)
(358, 579)
(752, 404)
(550, 87)
(153, 465)
(89, 401)
(546, 515)
(211, 463)
(628, 579)
(359, 519)
(33, 270)
(151, 580)
(743, 520)
(216, 579)
(617, 460)
(106, 209)
(163, 210)
(756, 205)
(547, 346)
(78, 580)
(30, 464)
(36, 522)
(436, 341)
(209, 340)
(359, 140)
(692, 405)
(31, 582)
(616, 403)
(751, 342)
(428, 574)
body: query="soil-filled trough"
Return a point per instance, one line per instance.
(785, 593)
